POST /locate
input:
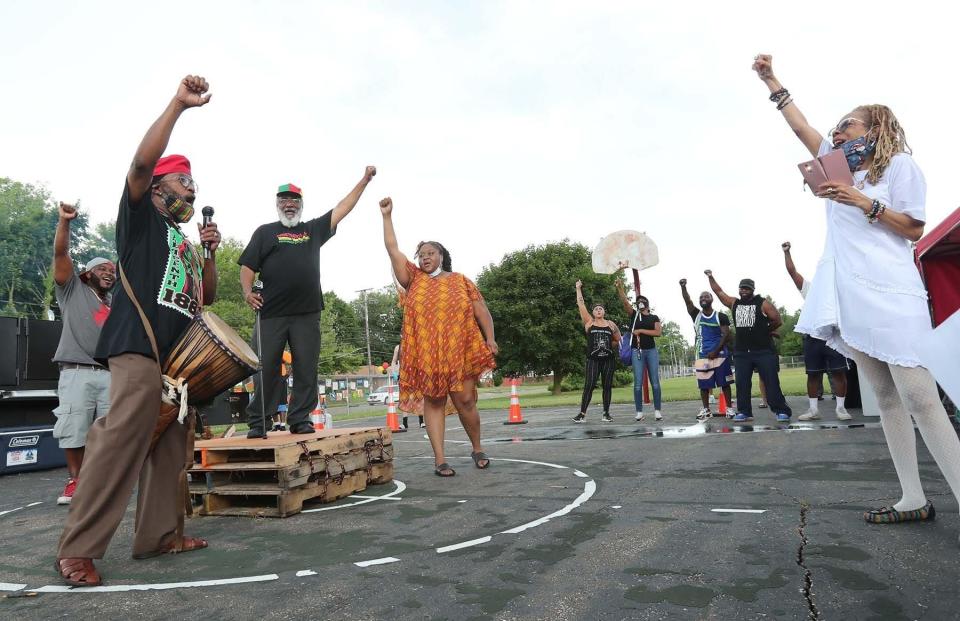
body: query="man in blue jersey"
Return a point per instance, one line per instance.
(712, 335)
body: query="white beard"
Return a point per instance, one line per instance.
(289, 222)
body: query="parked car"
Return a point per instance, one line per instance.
(379, 396)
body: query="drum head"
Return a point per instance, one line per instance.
(230, 338)
(624, 248)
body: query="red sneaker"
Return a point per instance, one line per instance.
(67, 494)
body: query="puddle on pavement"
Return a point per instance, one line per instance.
(581, 432)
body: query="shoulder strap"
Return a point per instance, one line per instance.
(143, 316)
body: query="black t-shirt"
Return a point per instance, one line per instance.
(753, 327)
(288, 261)
(165, 273)
(599, 342)
(645, 322)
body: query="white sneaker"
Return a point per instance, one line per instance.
(638, 417)
(704, 414)
(810, 415)
(657, 415)
(843, 414)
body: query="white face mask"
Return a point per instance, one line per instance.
(289, 222)
(436, 272)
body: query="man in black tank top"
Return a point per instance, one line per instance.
(755, 320)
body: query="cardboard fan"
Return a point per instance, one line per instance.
(624, 249)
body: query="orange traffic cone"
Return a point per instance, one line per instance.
(722, 404)
(516, 416)
(393, 421)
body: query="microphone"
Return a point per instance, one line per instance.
(207, 219)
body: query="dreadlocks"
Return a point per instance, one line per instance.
(445, 264)
(889, 136)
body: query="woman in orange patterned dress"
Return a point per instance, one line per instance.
(447, 341)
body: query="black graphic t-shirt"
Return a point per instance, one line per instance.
(646, 322)
(288, 261)
(753, 327)
(165, 273)
(599, 342)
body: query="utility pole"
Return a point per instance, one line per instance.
(366, 323)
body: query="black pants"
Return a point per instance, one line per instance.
(767, 365)
(603, 368)
(302, 332)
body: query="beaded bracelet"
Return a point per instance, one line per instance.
(876, 211)
(778, 95)
(786, 101)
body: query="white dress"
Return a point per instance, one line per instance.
(867, 294)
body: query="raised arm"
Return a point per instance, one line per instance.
(715, 287)
(584, 315)
(811, 138)
(349, 201)
(397, 259)
(692, 310)
(485, 321)
(772, 314)
(621, 292)
(191, 93)
(791, 268)
(62, 264)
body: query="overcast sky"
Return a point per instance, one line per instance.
(493, 125)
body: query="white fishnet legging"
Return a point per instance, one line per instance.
(896, 386)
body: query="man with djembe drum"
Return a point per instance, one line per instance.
(167, 283)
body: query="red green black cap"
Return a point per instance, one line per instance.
(289, 188)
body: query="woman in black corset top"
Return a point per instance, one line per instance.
(603, 339)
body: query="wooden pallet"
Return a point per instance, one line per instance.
(282, 448)
(252, 500)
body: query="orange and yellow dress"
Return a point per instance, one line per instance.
(441, 341)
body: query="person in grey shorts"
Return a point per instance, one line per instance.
(84, 386)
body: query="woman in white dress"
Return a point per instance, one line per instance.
(867, 300)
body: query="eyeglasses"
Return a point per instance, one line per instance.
(843, 125)
(187, 182)
(288, 200)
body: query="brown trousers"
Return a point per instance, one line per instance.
(116, 456)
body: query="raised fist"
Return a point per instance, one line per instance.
(192, 92)
(709, 273)
(579, 284)
(370, 173)
(785, 246)
(386, 206)
(763, 65)
(683, 282)
(67, 211)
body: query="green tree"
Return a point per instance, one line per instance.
(343, 345)
(532, 298)
(672, 345)
(230, 305)
(386, 321)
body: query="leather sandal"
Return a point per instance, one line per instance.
(444, 468)
(78, 572)
(189, 545)
(478, 457)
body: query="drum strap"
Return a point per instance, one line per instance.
(143, 316)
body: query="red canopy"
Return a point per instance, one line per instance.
(938, 256)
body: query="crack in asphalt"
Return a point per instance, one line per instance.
(813, 613)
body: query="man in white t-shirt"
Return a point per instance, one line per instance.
(818, 358)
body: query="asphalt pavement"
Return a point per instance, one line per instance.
(622, 520)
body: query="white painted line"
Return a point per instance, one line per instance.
(401, 487)
(589, 489)
(518, 461)
(616, 506)
(739, 510)
(306, 572)
(580, 474)
(461, 501)
(378, 561)
(119, 588)
(32, 504)
(9, 586)
(376, 497)
(464, 544)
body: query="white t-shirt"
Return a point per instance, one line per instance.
(805, 288)
(867, 294)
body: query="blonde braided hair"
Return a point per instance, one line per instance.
(890, 138)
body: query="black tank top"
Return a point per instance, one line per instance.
(599, 342)
(753, 327)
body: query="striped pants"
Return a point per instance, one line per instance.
(598, 368)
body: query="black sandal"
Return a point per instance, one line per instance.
(478, 457)
(444, 467)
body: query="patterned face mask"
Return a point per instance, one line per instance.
(857, 151)
(179, 209)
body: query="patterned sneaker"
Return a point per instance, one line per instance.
(742, 418)
(606, 418)
(885, 515)
(810, 415)
(704, 414)
(783, 418)
(843, 414)
(579, 418)
(67, 494)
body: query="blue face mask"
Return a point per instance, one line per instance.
(857, 151)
